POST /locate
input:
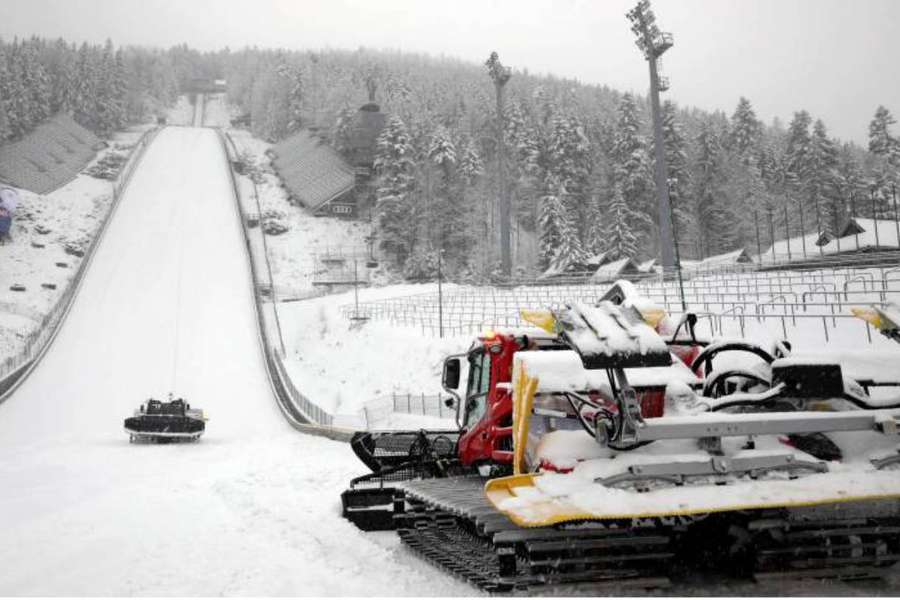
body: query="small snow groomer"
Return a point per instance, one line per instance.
(603, 445)
(158, 421)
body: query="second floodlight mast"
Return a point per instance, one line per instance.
(653, 43)
(500, 76)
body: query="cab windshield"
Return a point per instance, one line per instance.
(479, 384)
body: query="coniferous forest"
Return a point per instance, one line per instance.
(578, 158)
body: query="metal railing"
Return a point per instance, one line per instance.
(296, 405)
(428, 405)
(14, 368)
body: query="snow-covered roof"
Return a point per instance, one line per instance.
(794, 246)
(728, 258)
(313, 172)
(48, 157)
(569, 267)
(649, 265)
(614, 270)
(866, 237)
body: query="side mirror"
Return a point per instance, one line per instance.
(450, 379)
(450, 402)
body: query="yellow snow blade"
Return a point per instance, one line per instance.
(503, 489)
(652, 316)
(875, 317)
(524, 388)
(869, 315)
(539, 318)
(504, 492)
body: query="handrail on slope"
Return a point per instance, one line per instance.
(300, 412)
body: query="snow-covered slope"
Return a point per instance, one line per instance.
(253, 508)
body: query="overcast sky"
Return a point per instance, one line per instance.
(836, 58)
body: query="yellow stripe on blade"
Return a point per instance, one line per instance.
(517, 494)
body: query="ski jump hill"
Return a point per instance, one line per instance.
(48, 157)
(252, 509)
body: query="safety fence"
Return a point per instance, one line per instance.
(428, 405)
(778, 298)
(14, 368)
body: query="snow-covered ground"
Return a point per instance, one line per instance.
(36, 257)
(342, 365)
(253, 508)
(292, 253)
(338, 365)
(216, 112)
(183, 113)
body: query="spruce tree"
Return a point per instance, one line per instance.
(679, 178)
(551, 222)
(822, 186)
(630, 155)
(395, 170)
(713, 218)
(619, 238)
(881, 142)
(745, 129)
(448, 211)
(5, 130)
(568, 159)
(797, 155)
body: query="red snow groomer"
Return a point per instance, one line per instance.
(603, 445)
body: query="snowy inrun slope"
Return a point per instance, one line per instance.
(253, 508)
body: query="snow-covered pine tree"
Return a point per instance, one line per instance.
(84, 88)
(745, 129)
(36, 82)
(881, 142)
(470, 165)
(105, 109)
(797, 155)
(744, 185)
(886, 168)
(679, 179)
(551, 222)
(343, 125)
(449, 210)
(713, 217)
(18, 101)
(631, 160)
(293, 77)
(5, 131)
(119, 95)
(822, 186)
(620, 240)
(569, 160)
(560, 244)
(395, 181)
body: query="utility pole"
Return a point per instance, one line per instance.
(896, 219)
(669, 182)
(653, 43)
(500, 76)
(440, 276)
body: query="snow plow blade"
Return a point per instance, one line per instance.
(521, 498)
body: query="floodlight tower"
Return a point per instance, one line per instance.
(500, 76)
(653, 43)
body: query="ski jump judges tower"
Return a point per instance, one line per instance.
(653, 43)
